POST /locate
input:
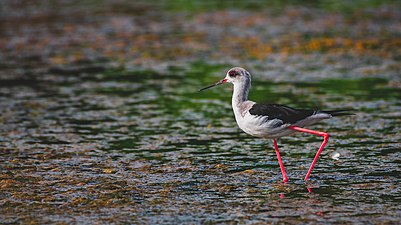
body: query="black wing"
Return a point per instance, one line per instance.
(281, 112)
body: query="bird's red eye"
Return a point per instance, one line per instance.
(232, 73)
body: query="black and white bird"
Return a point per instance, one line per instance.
(272, 121)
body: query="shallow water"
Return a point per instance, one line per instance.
(101, 120)
(144, 146)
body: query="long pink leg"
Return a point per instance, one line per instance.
(285, 178)
(325, 140)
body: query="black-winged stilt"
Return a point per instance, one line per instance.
(272, 121)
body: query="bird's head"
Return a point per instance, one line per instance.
(234, 75)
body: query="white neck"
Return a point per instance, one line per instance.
(240, 94)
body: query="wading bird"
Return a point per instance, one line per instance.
(272, 121)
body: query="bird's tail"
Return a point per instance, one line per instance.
(340, 112)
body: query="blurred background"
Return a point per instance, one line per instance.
(159, 34)
(101, 121)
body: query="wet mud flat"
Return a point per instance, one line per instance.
(101, 121)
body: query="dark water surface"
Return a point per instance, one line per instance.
(142, 146)
(101, 120)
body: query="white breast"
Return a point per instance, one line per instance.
(262, 126)
(259, 126)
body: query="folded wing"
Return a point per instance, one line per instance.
(284, 113)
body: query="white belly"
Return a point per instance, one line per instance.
(260, 127)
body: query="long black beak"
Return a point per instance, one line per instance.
(214, 85)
